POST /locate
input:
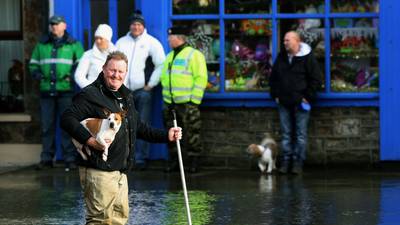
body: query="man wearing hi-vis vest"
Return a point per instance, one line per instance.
(184, 79)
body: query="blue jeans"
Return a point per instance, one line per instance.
(293, 121)
(143, 101)
(51, 110)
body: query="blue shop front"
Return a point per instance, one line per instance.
(356, 43)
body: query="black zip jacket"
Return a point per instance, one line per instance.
(90, 103)
(291, 82)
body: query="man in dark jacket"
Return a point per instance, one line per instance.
(104, 183)
(294, 82)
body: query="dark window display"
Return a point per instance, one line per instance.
(248, 54)
(125, 9)
(11, 57)
(355, 6)
(247, 6)
(301, 6)
(354, 55)
(205, 37)
(195, 7)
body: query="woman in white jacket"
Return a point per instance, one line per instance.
(92, 61)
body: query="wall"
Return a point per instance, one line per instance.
(20, 135)
(336, 135)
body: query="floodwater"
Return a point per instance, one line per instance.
(216, 197)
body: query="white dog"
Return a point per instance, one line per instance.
(266, 152)
(104, 130)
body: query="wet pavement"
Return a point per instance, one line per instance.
(216, 197)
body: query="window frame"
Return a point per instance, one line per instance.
(262, 99)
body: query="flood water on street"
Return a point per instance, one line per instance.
(216, 198)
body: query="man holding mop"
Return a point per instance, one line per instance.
(104, 183)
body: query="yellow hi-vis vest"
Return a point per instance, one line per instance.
(185, 78)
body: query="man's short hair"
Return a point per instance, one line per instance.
(116, 55)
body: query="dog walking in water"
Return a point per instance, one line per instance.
(266, 152)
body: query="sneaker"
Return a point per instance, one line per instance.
(284, 167)
(297, 168)
(43, 165)
(70, 166)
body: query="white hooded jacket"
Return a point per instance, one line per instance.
(137, 50)
(91, 64)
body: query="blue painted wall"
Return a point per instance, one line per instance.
(389, 52)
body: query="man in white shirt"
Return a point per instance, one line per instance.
(140, 47)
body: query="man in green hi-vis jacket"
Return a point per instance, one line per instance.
(53, 62)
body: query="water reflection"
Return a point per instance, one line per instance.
(168, 208)
(390, 198)
(216, 198)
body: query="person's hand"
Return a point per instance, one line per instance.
(147, 88)
(92, 142)
(304, 100)
(174, 134)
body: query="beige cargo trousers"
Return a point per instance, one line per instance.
(105, 195)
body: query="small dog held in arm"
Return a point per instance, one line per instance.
(266, 152)
(104, 130)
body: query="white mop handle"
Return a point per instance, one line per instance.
(178, 146)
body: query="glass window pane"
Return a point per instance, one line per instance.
(11, 76)
(248, 6)
(248, 55)
(301, 6)
(10, 15)
(360, 6)
(206, 39)
(195, 7)
(354, 55)
(311, 32)
(99, 14)
(125, 9)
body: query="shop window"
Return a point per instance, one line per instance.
(345, 46)
(205, 37)
(355, 6)
(125, 9)
(246, 7)
(11, 60)
(301, 6)
(354, 55)
(248, 58)
(99, 15)
(195, 7)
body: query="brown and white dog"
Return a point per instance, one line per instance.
(104, 130)
(266, 152)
